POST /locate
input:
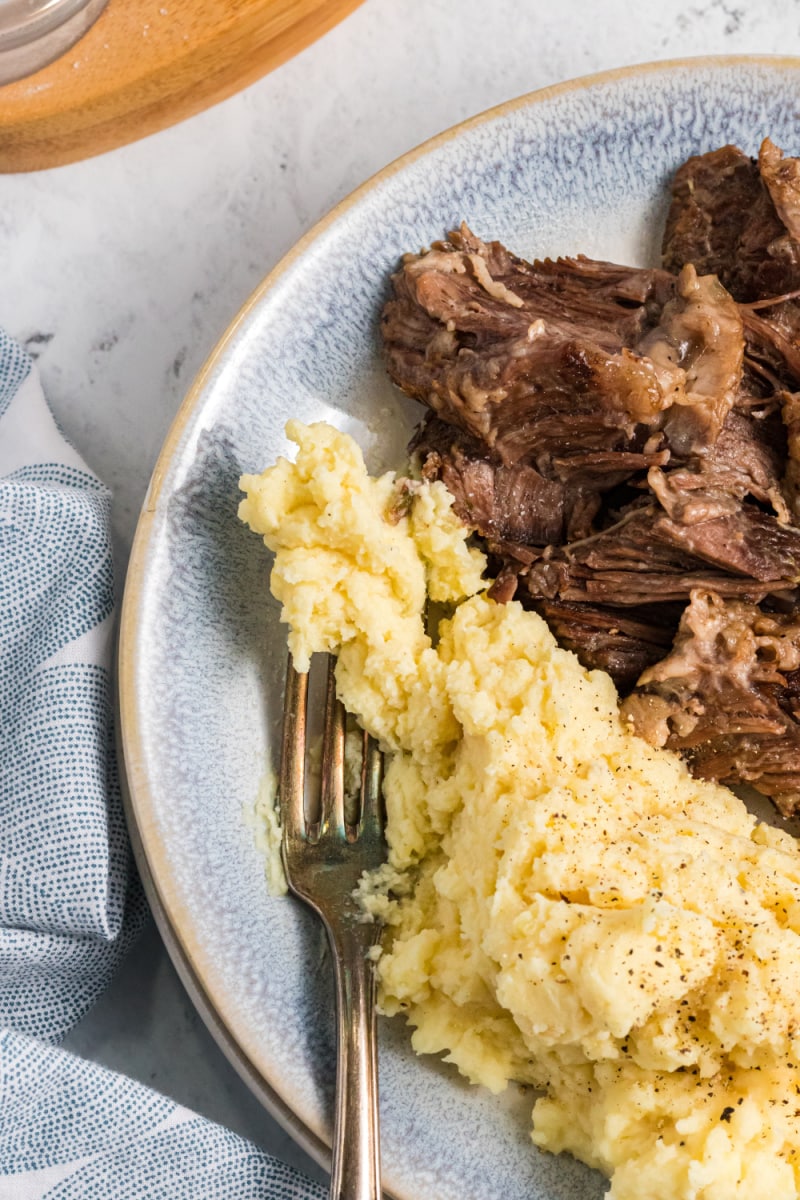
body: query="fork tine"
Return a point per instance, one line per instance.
(324, 861)
(371, 822)
(332, 783)
(292, 772)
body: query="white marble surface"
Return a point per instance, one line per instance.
(120, 274)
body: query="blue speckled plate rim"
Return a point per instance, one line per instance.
(182, 935)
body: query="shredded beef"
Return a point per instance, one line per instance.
(541, 359)
(648, 558)
(502, 502)
(790, 411)
(727, 696)
(736, 217)
(701, 333)
(625, 444)
(623, 642)
(747, 461)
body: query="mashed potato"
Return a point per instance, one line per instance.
(570, 908)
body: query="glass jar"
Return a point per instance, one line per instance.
(35, 32)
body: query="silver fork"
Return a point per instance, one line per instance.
(324, 860)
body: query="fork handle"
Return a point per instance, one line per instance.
(356, 1152)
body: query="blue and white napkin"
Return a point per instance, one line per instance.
(70, 903)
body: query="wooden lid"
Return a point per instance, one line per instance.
(146, 64)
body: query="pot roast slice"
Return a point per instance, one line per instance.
(737, 218)
(546, 360)
(740, 218)
(626, 443)
(513, 503)
(623, 642)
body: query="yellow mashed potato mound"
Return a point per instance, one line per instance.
(570, 908)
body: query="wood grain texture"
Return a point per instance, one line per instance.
(146, 64)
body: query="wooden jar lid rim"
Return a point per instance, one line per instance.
(146, 64)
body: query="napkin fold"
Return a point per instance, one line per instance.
(70, 900)
(64, 859)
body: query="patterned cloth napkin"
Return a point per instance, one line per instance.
(70, 903)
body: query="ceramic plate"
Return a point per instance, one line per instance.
(584, 168)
